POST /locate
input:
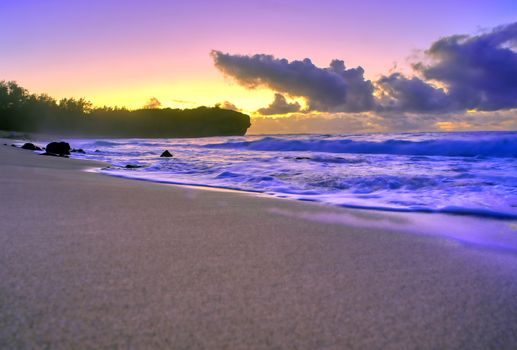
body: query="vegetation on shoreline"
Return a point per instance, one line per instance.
(25, 112)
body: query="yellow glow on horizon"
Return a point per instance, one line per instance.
(187, 94)
(451, 126)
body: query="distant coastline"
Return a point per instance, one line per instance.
(22, 111)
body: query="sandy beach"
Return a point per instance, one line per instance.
(93, 261)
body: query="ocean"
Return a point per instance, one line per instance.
(470, 173)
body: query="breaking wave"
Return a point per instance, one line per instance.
(495, 146)
(458, 173)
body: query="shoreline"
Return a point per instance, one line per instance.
(455, 210)
(452, 211)
(100, 261)
(457, 216)
(485, 214)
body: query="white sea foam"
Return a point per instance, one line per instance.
(462, 173)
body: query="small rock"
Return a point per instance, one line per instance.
(31, 147)
(166, 154)
(5, 144)
(58, 148)
(132, 166)
(78, 150)
(13, 145)
(97, 151)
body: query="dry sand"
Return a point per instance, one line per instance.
(91, 261)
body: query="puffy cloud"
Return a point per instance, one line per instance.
(334, 88)
(359, 91)
(228, 105)
(280, 106)
(398, 93)
(478, 72)
(152, 103)
(460, 73)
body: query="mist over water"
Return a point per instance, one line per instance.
(463, 173)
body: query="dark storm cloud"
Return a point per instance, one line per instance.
(280, 106)
(478, 72)
(459, 73)
(334, 88)
(413, 95)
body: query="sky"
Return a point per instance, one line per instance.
(249, 55)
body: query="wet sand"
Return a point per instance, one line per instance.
(92, 261)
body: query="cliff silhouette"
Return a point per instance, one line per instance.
(26, 112)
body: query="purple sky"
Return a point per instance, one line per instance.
(124, 52)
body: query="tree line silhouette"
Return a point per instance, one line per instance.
(40, 113)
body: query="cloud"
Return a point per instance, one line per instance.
(227, 105)
(480, 71)
(398, 93)
(457, 73)
(331, 123)
(185, 102)
(325, 123)
(334, 88)
(153, 103)
(280, 106)
(477, 72)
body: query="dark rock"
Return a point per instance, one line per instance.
(302, 158)
(78, 150)
(5, 144)
(31, 147)
(13, 145)
(58, 148)
(97, 151)
(166, 154)
(132, 166)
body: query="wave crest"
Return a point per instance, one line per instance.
(497, 146)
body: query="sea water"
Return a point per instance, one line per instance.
(472, 173)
